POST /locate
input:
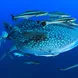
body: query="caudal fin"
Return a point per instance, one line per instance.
(4, 56)
(13, 17)
(8, 53)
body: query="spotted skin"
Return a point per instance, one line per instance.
(55, 38)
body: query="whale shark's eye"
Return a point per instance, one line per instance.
(43, 23)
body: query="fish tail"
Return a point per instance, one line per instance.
(11, 56)
(13, 17)
(2, 41)
(5, 54)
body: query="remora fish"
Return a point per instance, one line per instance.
(58, 14)
(34, 39)
(20, 54)
(32, 62)
(68, 68)
(29, 14)
(70, 22)
(67, 19)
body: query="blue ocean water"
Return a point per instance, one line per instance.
(48, 66)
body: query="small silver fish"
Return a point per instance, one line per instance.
(70, 22)
(65, 19)
(68, 68)
(28, 14)
(31, 12)
(32, 62)
(54, 22)
(21, 16)
(58, 14)
(21, 54)
(18, 54)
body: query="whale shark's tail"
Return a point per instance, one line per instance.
(4, 36)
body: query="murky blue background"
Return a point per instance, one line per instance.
(48, 68)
